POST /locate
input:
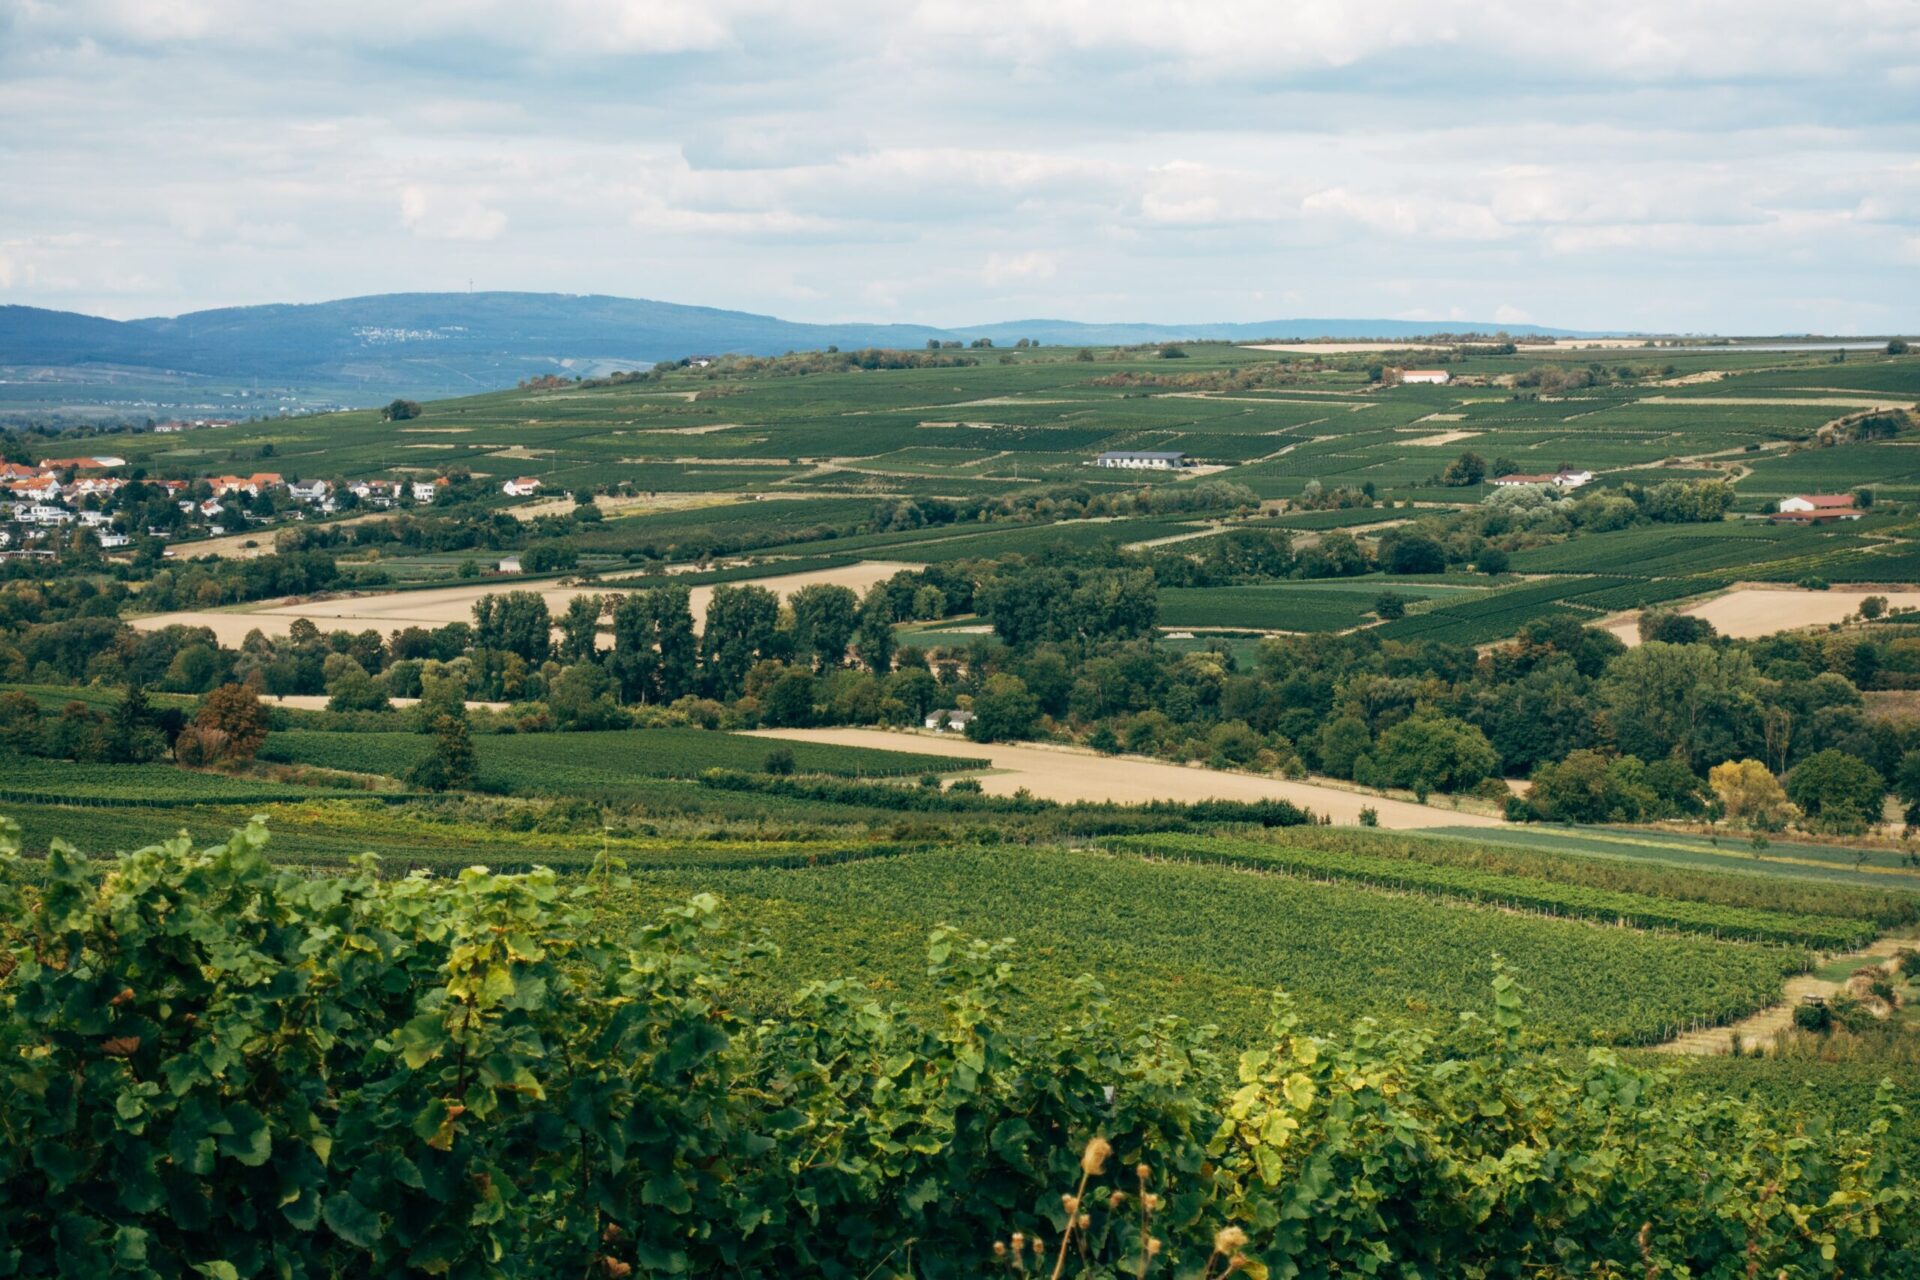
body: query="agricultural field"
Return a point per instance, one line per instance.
(598, 763)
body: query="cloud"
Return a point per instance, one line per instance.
(1634, 163)
(441, 215)
(1019, 268)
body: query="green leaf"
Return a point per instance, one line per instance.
(351, 1221)
(217, 1270)
(251, 1142)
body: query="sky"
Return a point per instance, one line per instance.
(1672, 166)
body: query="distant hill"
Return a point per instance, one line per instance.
(435, 344)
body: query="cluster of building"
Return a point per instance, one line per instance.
(1564, 478)
(42, 501)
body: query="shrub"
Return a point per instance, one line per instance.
(1814, 1017)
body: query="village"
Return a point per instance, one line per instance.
(64, 504)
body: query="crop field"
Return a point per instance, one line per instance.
(1523, 893)
(1209, 943)
(28, 779)
(1297, 606)
(596, 763)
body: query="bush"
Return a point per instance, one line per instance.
(1814, 1017)
(779, 762)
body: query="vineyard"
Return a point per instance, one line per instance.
(1639, 911)
(519, 1076)
(1205, 942)
(595, 763)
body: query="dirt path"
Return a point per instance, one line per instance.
(1760, 1028)
(1067, 774)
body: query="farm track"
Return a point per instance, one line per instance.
(1760, 1028)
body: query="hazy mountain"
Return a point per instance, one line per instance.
(427, 344)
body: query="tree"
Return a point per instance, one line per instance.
(1873, 607)
(1491, 560)
(1700, 701)
(1433, 752)
(1388, 606)
(1896, 346)
(1467, 469)
(1003, 711)
(401, 411)
(741, 625)
(788, 702)
(1750, 795)
(451, 765)
(1412, 553)
(580, 629)
(1342, 742)
(237, 716)
(825, 617)
(874, 640)
(1906, 785)
(350, 688)
(1675, 628)
(516, 623)
(581, 699)
(1837, 791)
(133, 735)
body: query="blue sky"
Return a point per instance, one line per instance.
(1685, 166)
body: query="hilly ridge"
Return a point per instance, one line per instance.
(426, 344)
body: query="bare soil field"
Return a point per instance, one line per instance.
(1746, 613)
(1445, 437)
(1067, 774)
(233, 546)
(395, 610)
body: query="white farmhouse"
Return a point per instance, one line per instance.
(951, 721)
(1432, 377)
(521, 486)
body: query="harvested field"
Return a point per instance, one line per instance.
(1749, 612)
(1445, 437)
(394, 610)
(1067, 774)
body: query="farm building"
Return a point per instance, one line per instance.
(949, 721)
(1435, 377)
(521, 486)
(1811, 508)
(1565, 478)
(1142, 460)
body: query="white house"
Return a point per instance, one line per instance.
(39, 513)
(521, 486)
(1434, 377)
(949, 721)
(308, 490)
(109, 539)
(95, 519)
(423, 490)
(1142, 459)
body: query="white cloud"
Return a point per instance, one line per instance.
(1507, 313)
(443, 215)
(1613, 163)
(1019, 268)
